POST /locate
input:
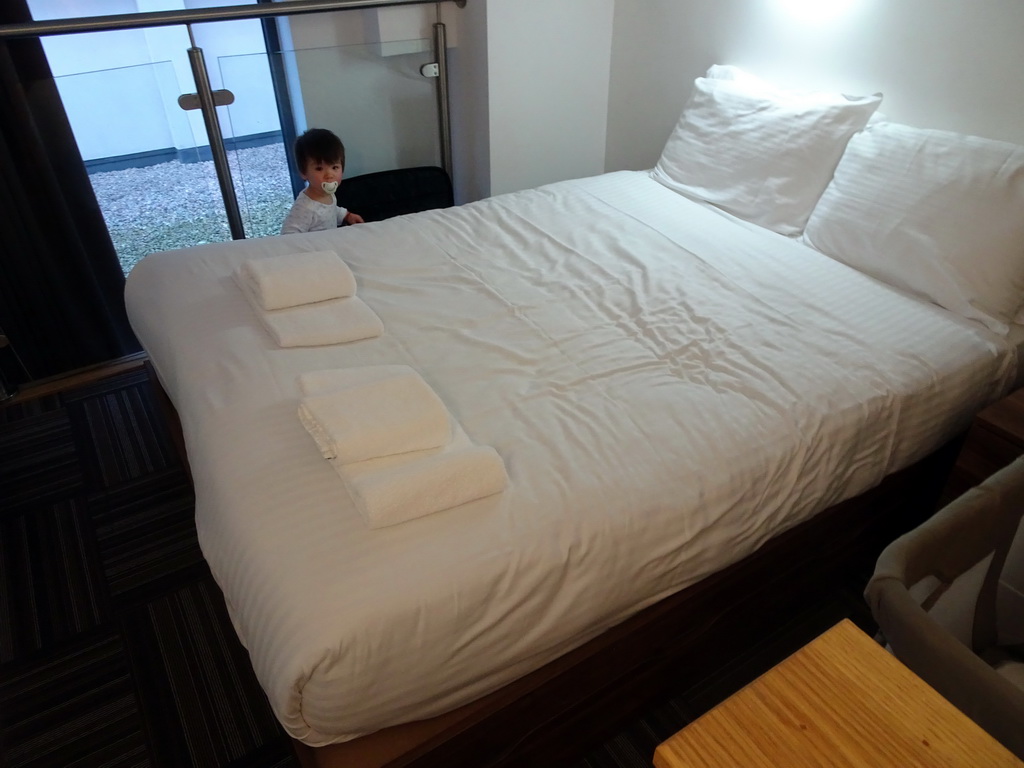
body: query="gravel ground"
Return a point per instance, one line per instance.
(174, 205)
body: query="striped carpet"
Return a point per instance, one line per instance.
(115, 645)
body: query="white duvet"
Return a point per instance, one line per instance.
(668, 389)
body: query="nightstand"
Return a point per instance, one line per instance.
(995, 439)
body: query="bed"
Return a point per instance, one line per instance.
(674, 385)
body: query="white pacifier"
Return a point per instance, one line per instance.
(330, 187)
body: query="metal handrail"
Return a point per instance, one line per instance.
(109, 22)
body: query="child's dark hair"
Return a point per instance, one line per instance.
(320, 146)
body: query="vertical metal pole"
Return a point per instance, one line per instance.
(220, 155)
(443, 115)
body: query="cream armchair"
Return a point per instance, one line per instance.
(934, 596)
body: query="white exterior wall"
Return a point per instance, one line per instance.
(137, 75)
(89, 98)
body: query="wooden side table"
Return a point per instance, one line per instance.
(841, 700)
(995, 439)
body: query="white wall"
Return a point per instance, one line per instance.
(469, 98)
(945, 65)
(548, 72)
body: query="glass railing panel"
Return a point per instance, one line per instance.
(251, 127)
(373, 96)
(155, 184)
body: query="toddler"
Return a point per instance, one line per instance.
(320, 157)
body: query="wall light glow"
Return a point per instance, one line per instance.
(817, 11)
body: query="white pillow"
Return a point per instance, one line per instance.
(933, 212)
(760, 152)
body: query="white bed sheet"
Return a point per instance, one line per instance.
(667, 389)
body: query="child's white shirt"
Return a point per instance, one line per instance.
(309, 215)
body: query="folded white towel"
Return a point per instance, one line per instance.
(396, 414)
(277, 282)
(399, 487)
(334, 321)
(418, 484)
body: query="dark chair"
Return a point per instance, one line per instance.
(381, 195)
(934, 596)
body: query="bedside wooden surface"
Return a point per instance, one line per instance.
(1006, 417)
(995, 439)
(841, 700)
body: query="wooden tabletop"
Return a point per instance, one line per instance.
(842, 700)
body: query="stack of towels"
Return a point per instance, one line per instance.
(307, 299)
(394, 444)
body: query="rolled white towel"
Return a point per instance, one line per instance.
(397, 414)
(293, 279)
(423, 484)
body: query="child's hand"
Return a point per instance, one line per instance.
(353, 218)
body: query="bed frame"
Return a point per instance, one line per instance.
(553, 715)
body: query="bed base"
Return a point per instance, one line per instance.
(555, 714)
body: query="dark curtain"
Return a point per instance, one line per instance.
(61, 286)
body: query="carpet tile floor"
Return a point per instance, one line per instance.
(115, 644)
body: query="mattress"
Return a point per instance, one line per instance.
(668, 389)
